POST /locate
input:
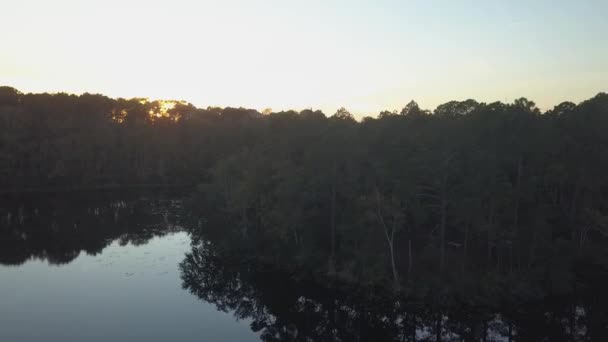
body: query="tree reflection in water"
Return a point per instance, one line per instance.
(57, 228)
(286, 306)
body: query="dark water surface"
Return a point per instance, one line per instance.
(127, 268)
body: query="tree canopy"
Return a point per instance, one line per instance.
(498, 190)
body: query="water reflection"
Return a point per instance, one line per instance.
(276, 305)
(58, 228)
(285, 306)
(93, 268)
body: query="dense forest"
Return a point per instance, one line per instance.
(496, 197)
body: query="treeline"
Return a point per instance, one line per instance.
(69, 142)
(472, 193)
(496, 192)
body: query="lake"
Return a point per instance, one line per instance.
(107, 267)
(124, 286)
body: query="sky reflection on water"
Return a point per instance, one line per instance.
(124, 293)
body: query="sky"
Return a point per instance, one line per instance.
(367, 56)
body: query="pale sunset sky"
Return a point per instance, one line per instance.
(367, 56)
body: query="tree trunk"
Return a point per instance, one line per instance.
(295, 235)
(331, 269)
(444, 206)
(574, 202)
(465, 244)
(390, 242)
(444, 212)
(490, 231)
(409, 258)
(498, 250)
(389, 238)
(244, 223)
(517, 194)
(511, 259)
(532, 254)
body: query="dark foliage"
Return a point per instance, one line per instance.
(497, 197)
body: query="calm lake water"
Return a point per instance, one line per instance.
(126, 268)
(58, 284)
